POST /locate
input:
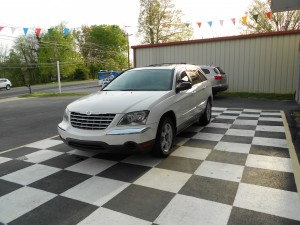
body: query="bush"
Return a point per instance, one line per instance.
(80, 74)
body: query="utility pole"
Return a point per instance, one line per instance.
(58, 77)
(128, 50)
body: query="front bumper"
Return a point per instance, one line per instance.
(110, 139)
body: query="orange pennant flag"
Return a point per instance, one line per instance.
(38, 31)
(244, 18)
(268, 15)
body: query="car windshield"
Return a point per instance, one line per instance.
(142, 80)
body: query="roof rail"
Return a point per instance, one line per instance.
(166, 64)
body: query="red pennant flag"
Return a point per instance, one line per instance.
(233, 20)
(1, 28)
(199, 24)
(268, 15)
(38, 31)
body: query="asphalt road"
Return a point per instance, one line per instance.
(28, 120)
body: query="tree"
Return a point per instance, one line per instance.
(103, 47)
(258, 22)
(55, 46)
(160, 22)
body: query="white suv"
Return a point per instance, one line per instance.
(142, 109)
(5, 83)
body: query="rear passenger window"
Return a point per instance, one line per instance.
(206, 71)
(201, 76)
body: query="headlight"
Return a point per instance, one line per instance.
(134, 118)
(66, 115)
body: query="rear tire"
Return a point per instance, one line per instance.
(206, 117)
(164, 138)
(7, 87)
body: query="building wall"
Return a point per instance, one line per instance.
(263, 63)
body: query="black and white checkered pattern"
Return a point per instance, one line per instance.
(236, 170)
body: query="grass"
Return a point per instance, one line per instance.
(257, 95)
(50, 94)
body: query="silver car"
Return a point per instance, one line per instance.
(217, 78)
(5, 83)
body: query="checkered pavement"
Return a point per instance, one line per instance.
(236, 170)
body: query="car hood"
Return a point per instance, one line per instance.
(118, 101)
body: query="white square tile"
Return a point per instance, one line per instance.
(142, 160)
(233, 147)
(252, 110)
(216, 113)
(232, 112)
(208, 136)
(44, 144)
(220, 171)
(190, 152)
(270, 119)
(269, 162)
(223, 116)
(239, 132)
(270, 142)
(189, 210)
(91, 166)
(218, 108)
(83, 153)
(41, 156)
(96, 190)
(162, 179)
(270, 128)
(245, 122)
(250, 115)
(103, 216)
(3, 159)
(21, 201)
(219, 125)
(30, 174)
(268, 200)
(271, 113)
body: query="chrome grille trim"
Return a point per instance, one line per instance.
(91, 122)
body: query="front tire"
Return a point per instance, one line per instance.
(206, 117)
(7, 87)
(164, 138)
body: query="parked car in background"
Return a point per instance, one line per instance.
(217, 77)
(5, 83)
(141, 109)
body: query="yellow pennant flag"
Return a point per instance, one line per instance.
(244, 20)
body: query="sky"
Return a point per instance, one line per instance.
(43, 14)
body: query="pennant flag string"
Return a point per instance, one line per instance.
(25, 30)
(221, 22)
(244, 19)
(199, 24)
(255, 17)
(233, 21)
(268, 14)
(1, 28)
(210, 23)
(38, 31)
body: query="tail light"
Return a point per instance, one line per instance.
(218, 77)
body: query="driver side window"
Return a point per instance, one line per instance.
(183, 78)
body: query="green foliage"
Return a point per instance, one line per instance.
(160, 22)
(81, 74)
(281, 21)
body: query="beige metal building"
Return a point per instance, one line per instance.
(261, 63)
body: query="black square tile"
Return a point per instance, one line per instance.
(219, 120)
(237, 139)
(201, 143)
(12, 166)
(112, 156)
(240, 216)
(214, 130)
(124, 172)
(235, 109)
(243, 127)
(61, 148)
(271, 116)
(269, 123)
(59, 210)
(141, 202)
(7, 187)
(269, 178)
(227, 157)
(269, 151)
(17, 153)
(253, 113)
(64, 161)
(186, 134)
(268, 134)
(246, 118)
(210, 189)
(60, 182)
(226, 113)
(180, 164)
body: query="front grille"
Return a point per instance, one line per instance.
(91, 122)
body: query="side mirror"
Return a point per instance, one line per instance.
(183, 86)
